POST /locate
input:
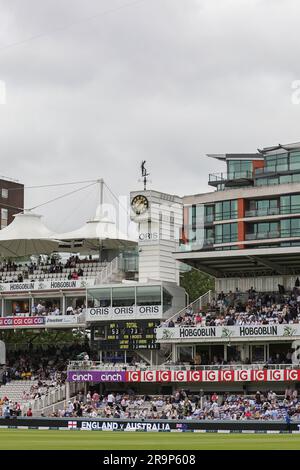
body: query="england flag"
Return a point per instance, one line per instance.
(72, 424)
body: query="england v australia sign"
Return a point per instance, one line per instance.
(144, 312)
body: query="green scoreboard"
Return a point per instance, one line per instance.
(129, 335)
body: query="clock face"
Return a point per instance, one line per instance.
(140, 204)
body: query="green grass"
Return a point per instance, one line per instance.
(12, 439)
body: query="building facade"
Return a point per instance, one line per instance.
(248, 229)
(11, 200)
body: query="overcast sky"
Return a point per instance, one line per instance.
(95, 86)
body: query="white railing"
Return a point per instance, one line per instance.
(196, 306)
(53, 396)
(106, 273)
(48, 410)
(90, 365)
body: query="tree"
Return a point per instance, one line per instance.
(196, 283)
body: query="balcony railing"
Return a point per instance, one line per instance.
(226, 239)
(232, 175)
(92, 365)
(262, 212)
(284, 233)
(208, 219)
(263, 235)
(273, 169)
(282, 210)
(233, 214)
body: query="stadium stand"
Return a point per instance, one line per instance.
(51, 269)
(236, 308)
(181, 405)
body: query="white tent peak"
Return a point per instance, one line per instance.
(96, 233)
(26, 235)
(26, 225)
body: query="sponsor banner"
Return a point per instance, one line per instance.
(187, 376)
(210, 333)
(119, 426)
(191, 425)
(15, 322)
(96, 376)
(193, 376)
(61, 320)
(55, 284)
(123, 313)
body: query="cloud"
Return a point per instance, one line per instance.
(163, 80)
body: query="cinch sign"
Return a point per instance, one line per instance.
(96, 376)
(124, 313)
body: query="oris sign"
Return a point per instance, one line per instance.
(144, 312)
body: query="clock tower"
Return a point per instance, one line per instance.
(159, 217)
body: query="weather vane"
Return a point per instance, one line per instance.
(145, 175)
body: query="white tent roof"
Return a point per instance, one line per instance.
(26, 235)
(94, 235)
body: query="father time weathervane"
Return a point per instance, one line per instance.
(145, 174)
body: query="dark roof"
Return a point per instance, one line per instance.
(294, 146)
(237, 156)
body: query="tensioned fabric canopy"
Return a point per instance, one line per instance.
(94, 235)
(26, 235)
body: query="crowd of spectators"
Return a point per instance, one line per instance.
(182, 405)
(50, 364)
(37, 270)
(236, 308)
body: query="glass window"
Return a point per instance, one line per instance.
(167, 300)
(263, 230)
(218, 232)
(99, 298)
(290, 204)
(257, 354)
(239, 169)
(4, 217)
(295, 161)
(261, 181)
(271, 163)
(282, 163)
(285, 227)
(226, 233)
(4, 214)
(209, 213)
(150, 295)
(123, 297)
(185, 354)
(285, 179)
(16, 307)
(226, 210)
(285, 204)
(277, 162)
(295, 203)
(219, 211)
(272, 181)
(273, 203)
(4, 193)
(295, 227)
(209, 210)
(209, 236)
(296, 178)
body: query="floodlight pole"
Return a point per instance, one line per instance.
(101, 200)
(101, 191)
